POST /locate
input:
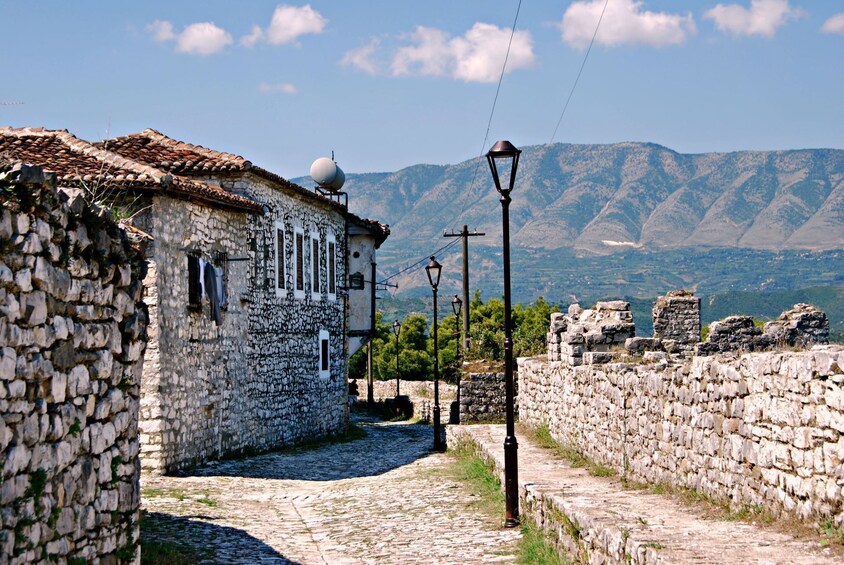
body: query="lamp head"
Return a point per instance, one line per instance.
(503, 161)
(433, 269)
(456, 305)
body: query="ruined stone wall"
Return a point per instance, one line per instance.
(195, 392)
(762, 429)
(294, 401)
(72, 330)
(483, 398)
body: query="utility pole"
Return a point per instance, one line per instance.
(465, 235)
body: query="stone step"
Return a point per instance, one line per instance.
(598, 521)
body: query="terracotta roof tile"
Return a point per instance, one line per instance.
(76, 161)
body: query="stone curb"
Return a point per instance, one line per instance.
(595, 521)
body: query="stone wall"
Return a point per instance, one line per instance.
(72, 331)
(589, 336)
(676, 319)
(194, 401)
(283, 347)
(483, 398)
(761, 429)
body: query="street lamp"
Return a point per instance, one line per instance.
(433, 270)
(397, 331)
(503, 161)
(456, 307)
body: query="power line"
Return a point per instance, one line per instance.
(583, 64)
(492, 111)
(419, 262)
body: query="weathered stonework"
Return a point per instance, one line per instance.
(483, 398)
(589, 336)
(763, 429)
(676, 319)
(72, 336)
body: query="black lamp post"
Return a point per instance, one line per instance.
(433, 270)
(397, 331)
(503, 161)
(456, 307)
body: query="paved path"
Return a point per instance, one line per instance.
(381, 499)
(653, 528)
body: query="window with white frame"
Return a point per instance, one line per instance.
(316, 291)
(331, 266)
(299, 262)
(324, 354)
(280, 264)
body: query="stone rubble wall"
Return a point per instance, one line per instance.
(676, 320)
(761, 429)
(589, 336)
(194, 370)
(72, 337)
(483, 398)
(291, 401)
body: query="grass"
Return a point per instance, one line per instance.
(830, 534)
(534, 547)
(542, 436)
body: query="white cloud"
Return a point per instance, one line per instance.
(254, 37)
(763, 17)
(362, 58)
(161, 30)
(625, 22)
(202, 38)
(477, 56)
(284, 87)
(288, 24)
(835, 24)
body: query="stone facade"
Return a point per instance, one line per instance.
(195, 389)
(676, 319)
(483, 398)
(72, 331)
(762, 429)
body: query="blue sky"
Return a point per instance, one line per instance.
(387, 84)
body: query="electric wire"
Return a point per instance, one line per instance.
(580, 72)
(491, 113)
(419, 262)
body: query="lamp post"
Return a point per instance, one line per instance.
(397, 331)
(456, 307)
(433, 270)
(503, 161)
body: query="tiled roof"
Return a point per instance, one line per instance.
(168, 154)
(76, 161)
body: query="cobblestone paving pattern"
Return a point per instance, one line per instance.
(384, 498)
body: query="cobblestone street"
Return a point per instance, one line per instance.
(384, 498)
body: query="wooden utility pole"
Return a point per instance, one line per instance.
(465, 235)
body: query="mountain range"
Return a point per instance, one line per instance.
(574, 201)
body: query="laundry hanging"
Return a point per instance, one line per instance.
(210, 285)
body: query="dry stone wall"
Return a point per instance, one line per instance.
(72, 336)
(483, 398)
(761, 429)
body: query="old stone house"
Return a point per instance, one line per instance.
(246, 291)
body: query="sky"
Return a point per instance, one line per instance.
(387, 84)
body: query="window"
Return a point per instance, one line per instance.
(280, 270)
(194, 288)
(299, 262)
(324, 355)
(331, 266)
(316, 291)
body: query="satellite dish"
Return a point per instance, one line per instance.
(327, 174)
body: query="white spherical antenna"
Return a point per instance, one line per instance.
(327, 174)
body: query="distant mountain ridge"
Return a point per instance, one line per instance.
(600, 198)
